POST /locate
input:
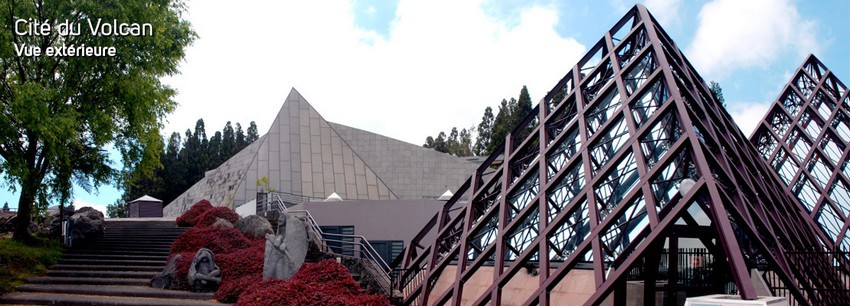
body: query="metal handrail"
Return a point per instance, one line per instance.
(362, 242)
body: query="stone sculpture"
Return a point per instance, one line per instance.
(165, 279)
(285, 252)
(204, 274)
(254, 226)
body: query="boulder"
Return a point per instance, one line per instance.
(254, 226)
(165, 279)
(204, 275)
(285, 253)
(222, 222)
(88, 222)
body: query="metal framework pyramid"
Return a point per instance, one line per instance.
(805, 137)
(628, 155)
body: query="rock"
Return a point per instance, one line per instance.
(285, 253)
(254, 226)
(204, 274)
(88, 223)
(222, 222)
(52, 220)
(165, 279)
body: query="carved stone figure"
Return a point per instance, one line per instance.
(204, 274)
(285, 252)
(165, 279)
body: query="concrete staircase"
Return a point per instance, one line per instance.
(111, 270)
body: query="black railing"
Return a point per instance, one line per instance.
(266, 201)
(779, 288)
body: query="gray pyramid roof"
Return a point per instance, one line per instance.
(303, 154)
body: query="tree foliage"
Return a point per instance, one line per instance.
(185, 160)
(717, 92)
(491, 131)
(60, 112)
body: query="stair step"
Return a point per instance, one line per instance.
(115, 257)
(34, 298)
(88, 281)
(109, 262)
(163, 252)
(121, 248)
(125, 291)
(103, 274)
(63, 267)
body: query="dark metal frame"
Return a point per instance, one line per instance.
(626, 203)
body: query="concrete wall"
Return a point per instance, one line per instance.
(376, 220)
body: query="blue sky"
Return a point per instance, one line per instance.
(409, 69)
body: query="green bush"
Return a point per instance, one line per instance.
(19, 261)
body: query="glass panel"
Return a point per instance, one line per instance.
(779, 123)
(521, 238)
(570, 233)
(558, 158)
(840, 126)
(521, 197)
(806, 192)
(598, 80)
(831, 148)
(819, 170)
(660, 138)
(624, 229)
(631, 47)
(645, 106)
(638, 75)
(619, 182)
(483, 237)
(792, 103)
(765, 143)
(799, 145)
(811, 123)
(805, 85)
(785, 165)
(666, 184)
(608, 144)
(565, 190)
(840, 195)
(823, 104)
(829, 221)
(556, 124)
(602, 111)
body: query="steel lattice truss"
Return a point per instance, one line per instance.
(805, 137)
(592, 179)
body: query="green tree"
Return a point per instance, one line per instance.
(717, 92)
(485, 132)
(252, 133)
(523, 107)
(503, 124)
(214, 151)
(228, 140)
(119, 209)
(240, 138)
(440, 144)
(465, 143)
(6, 206)
(60, 112)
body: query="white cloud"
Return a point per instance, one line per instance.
(437, 68)
(665, 11)
(735, 33)
(747, 115)
(78, 203)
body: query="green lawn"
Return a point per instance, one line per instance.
(18, 261)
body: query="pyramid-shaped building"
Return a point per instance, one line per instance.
(805, 136)
(306, 158)
(607, 191)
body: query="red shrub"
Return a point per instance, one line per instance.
(323, 283)
(219, 240)
(230, 290)
(211, 215)
(241, 263)
(189, 218)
